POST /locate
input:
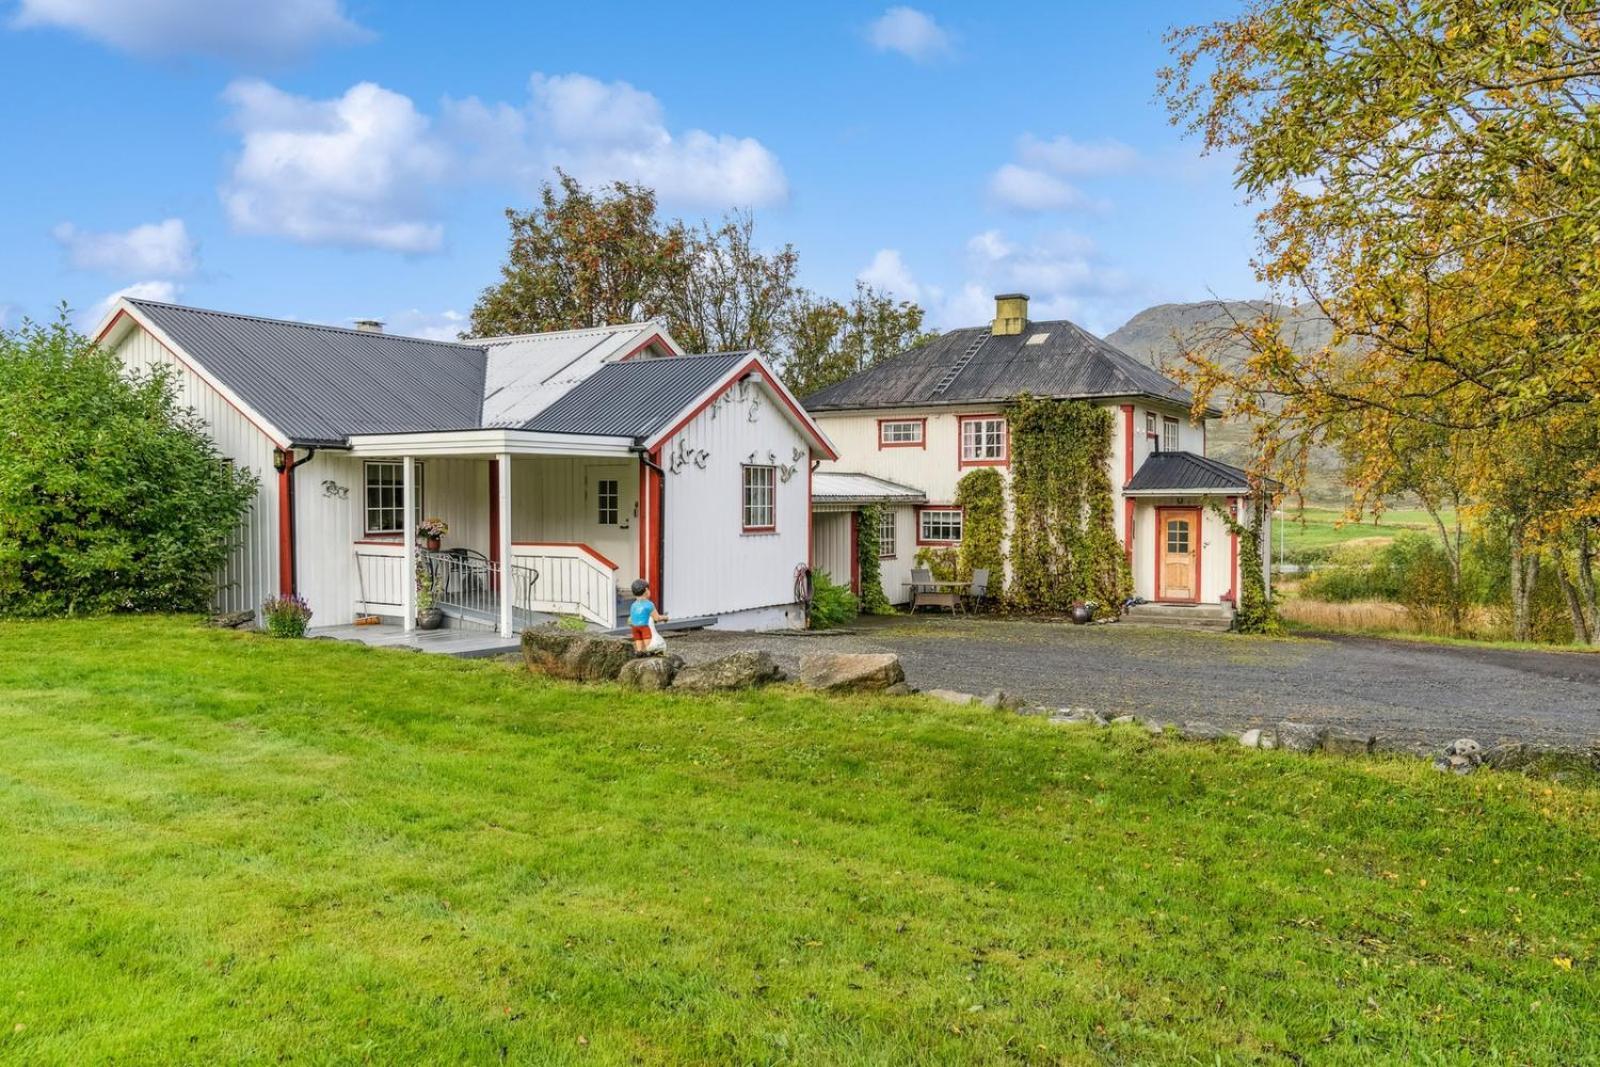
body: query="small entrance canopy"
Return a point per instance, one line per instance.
(1186, 474)
(842, 491)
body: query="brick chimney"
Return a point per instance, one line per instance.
(1010, 314)
(369, 325)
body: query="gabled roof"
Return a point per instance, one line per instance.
(1048, 359)
(844, 487)
(636, 398)
(321, 385)
(1185, 472)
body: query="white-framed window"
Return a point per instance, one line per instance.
(1169, 434)
(901, 433)
(385, 499)
(760, 498)
(983, 439)
(606, 497)
(886, 534)
(939, 526)
(1150, 428)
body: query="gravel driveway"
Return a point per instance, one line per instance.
(1409, 694)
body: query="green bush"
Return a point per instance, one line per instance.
(831, 604)
(873, 599)
(111, 497)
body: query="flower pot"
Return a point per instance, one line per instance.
(431, 544)
(1082, 613)
(430, 619)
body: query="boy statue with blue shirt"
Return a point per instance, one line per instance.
(641, 615)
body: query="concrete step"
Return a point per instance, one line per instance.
(1215, 617)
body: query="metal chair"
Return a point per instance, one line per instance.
(921, 579)
(978, 591)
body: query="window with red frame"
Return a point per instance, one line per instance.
(900, 433)
(760, 504)
(983, 439)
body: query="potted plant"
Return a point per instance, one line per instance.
(429, 614)
(286, 616)
(431, 531)
(1083, 612)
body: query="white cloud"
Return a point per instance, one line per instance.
(1063, 155)
(230, 29)
(1026, 189)
(161, 248)
(435, 326)
(151, 290)
(609, 131)
(910, 32)
(888, 273)
(351, 171)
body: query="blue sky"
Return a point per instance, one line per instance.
(334, 159)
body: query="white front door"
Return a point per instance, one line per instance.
(611, 516)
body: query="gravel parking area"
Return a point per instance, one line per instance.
(1409, 694)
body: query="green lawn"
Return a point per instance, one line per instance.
(221, 848)
(1315, 529)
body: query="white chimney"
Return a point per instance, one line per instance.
(369, 325)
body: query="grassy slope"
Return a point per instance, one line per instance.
(1324, 527)
(221, 847)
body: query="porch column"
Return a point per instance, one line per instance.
(507, 586)
(408, 539)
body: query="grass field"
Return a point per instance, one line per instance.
(222, 848)
(1314, 529)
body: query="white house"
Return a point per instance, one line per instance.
(909, 428)
(566, 465)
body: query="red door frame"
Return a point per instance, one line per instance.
(1160, 546)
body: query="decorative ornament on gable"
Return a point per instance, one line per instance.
(682, 455)
(331, 488)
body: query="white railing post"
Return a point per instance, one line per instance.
(408, 538)
(507, 586)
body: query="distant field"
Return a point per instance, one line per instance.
(1318, 529)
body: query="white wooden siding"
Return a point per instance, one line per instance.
(1214, 548)
(251, 573)
(711, 567)
(830, 545)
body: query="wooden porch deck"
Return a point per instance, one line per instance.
(463, 643)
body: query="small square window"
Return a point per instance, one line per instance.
(900, 433)
(385, 507)
(983, 439)
(759, 498)
(605, 493)
(939, 526)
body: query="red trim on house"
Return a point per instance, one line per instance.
(1233, 552)
(193, 369)
(750, 368)
(1127, 528)
(1195, 539)
(286, 526)
(644, 518)
(1005, 440)
(917, 511)
(658, 538)
(772, 527)
(494, 517)
(642, 345)
(855, 553)
(921, 443)
(586, 549)
(1127, 449)
(390, 543)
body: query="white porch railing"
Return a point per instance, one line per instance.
(573, 578)
(566, 579)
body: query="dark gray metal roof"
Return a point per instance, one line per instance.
(1186, 472)
(1067, 361)
(636, 397)
(320, 384)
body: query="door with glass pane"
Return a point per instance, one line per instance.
(1178, 554)
(611, 495)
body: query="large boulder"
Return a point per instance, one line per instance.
(851, 672)
(576, 657)
(741, 670)
(1300, 736)
(235, 620)
(650, 673)
(1349, 743)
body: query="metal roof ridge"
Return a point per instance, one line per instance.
(508, 338)
(143, 302)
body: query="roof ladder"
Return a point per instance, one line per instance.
(960, 364)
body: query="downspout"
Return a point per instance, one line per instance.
(289, 569)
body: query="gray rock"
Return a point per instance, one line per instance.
(741, 670)
(576, 657)
(1300, 736)
(650, 672)
(899, 689)
(1152, 727)
(234, 620)
(1467, 747)
(1252, 738)
(1124, 720)
(1202, 731)
(1002, 700)
(1071, 716)
(1454, 765)
(1349, 743)
(851, 672)
(951, 696)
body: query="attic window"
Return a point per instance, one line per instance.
(1038, 339)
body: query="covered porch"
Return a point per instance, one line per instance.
(540, 525)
